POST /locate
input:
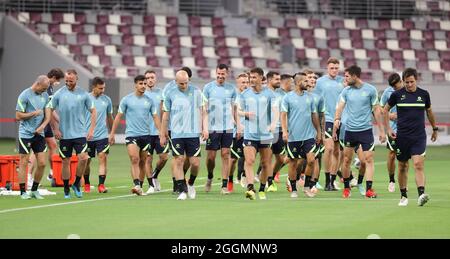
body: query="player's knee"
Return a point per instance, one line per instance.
(418, 165)
(41, 163)
(134, 159)
(249, 161)
(195, 163)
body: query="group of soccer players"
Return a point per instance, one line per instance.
(294, 118)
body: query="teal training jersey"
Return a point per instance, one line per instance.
(30, 101)
(138, 111)
(220, 100)
(155, 95)
(185, 112)
(359, 102)
(329, 89)
(279, 94)
(261, 105)
(72, 107)
(299, 109)
(103, 107)
(384, 99)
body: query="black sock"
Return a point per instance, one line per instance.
(101, 179)
(86, 179)
(262, 187)
(347, 183)
(270, 180)
(224, 183)
(360, 179)
(241, 171)
(333, 178)
(156, 173)
(141, 183)
(210, 174)
(184, 184)
(351, 176)
(368, 185)
(192, 179)
(22, 188)
(185, 171)
(421, 190)
(179, 186)
(250, 187)
(150, 182)
(34, 187)
(327, 178)
(137, 182)
(293, 185)
(66, 187)
(174, 184)
(392, 178)
(404, 193)
(307, 181)
(339, 173)
(77, 182)
(230, 178)
(312, 183)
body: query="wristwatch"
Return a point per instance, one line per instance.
(435, 128)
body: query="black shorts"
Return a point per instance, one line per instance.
(36, 143)
(66, 146)
(218, 140)
(156, 146)
(299, 149)
(329, 130)
(364, 138)
(48, 132)
(143, 142)
(98, 146)
(188, 146)
(408, 147)
(237, 149)
(278, 145)
(257, 143)
(391, 144)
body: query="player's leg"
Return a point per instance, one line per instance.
(250, 157)
(267, 169)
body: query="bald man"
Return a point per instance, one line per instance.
(185, 107)
(33, 115)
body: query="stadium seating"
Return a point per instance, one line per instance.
(121, 45)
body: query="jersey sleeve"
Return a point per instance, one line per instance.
(313, 105)
(374, 97)
(285, 104)
(167, 104)
(321, 106)
(343, 97)
(123, 106)
(393, 99)
(205, 93)
(88, 103)
(54, 103)
(109, 109)
(427, 100)
(22, 103)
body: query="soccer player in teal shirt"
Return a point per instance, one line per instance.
(329, 87)
(72, 103)
(412, 103)
(301, 131)
(100, 142)
(185, 106)
(360, 99)
(395, 83)
(34, 116)
(258, 103)
(220, 97)
(155, 95)
(138, 110)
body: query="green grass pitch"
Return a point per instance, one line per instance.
(118, 214)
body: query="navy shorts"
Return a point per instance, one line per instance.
(257, 144)
(391, 144)
(319, 151)
(188, 146)
(66, 146)
(329, 130)
(98, 146)
(364, 138)
(237, 149)
(407, 147)
(156, 146)
(218, 140)
(278, 145)
(299, 149)
(48, 132)
(143, 142)
(36, 143)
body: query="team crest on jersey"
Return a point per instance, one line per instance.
(419, 99)
(364, 93)
(104, 103)
(78, 97)
(403, 97)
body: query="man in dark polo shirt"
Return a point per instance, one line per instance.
(412, 102)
